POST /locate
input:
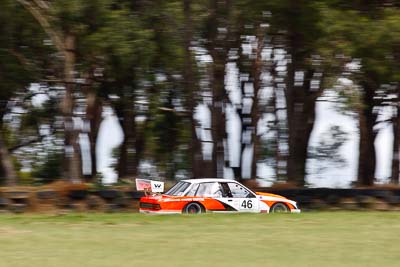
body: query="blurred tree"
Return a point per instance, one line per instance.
(392, 25)
(123, 50)
(328, 149)
(218, 32)
(250, 42)
(294, 31)
(138, 58)
(396, 140)
(168, 103)
(58, 20)
(367, 32)
(97, 40)
(304, 82)
(190, 85)
(23, 58)
(49, 170)
(95, 14)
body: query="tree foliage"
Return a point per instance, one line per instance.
(156, 63)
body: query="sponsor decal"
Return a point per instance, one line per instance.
(182, 199)
(157, 186)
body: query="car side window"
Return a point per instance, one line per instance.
(193, 189)
(209, 190)
(226, 191)
(239, 191)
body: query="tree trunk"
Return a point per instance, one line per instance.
(238, 170)
(280, 171)
(6, 164)
(94, 110)
(255, 116)
(127, 164)
(73, 166)
(301, 123)
(249, 116)
(279, 125)
(218, 117)
(218, 49)
(140, 143)
(300, 97)
(301, 117)
(396, 129)
(190, 87)
(367, 119)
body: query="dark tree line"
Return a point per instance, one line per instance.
(155, 63)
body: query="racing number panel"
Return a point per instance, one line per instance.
(234, 197)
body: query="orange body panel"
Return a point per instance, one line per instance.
(271, 203)
(270, 195)
(175, 203)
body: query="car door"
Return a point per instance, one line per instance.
(239, 198)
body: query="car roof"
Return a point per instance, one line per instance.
(208, 180)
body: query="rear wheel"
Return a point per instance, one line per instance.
(279, 208)
(193, 208)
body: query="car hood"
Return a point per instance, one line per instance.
(274, 197)
(270, 195)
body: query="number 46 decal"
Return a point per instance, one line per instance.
(247, 204)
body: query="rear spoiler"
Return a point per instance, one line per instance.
(149, 186)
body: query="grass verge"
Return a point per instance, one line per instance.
(307, 239)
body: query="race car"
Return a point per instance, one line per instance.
(214, 195)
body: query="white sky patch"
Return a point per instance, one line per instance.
(327, 116)
(39, 98)
(384, 146)
(247, 159)
(345, 81)
(84, 144)
(110, 136)
(203, 115)
(233, 84)
(228, 173)
(266, 173)
(204, 59)
(233, 124)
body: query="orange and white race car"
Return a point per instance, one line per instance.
(214, 195)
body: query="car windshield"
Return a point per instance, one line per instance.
(177, 189)
(238, 191)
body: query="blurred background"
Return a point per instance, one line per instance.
(304, 93)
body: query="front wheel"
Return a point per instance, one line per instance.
(193, 208)
(279, 208)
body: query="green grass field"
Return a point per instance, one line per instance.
(307, 239)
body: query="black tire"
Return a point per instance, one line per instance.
(279, 208)
(193, 208)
